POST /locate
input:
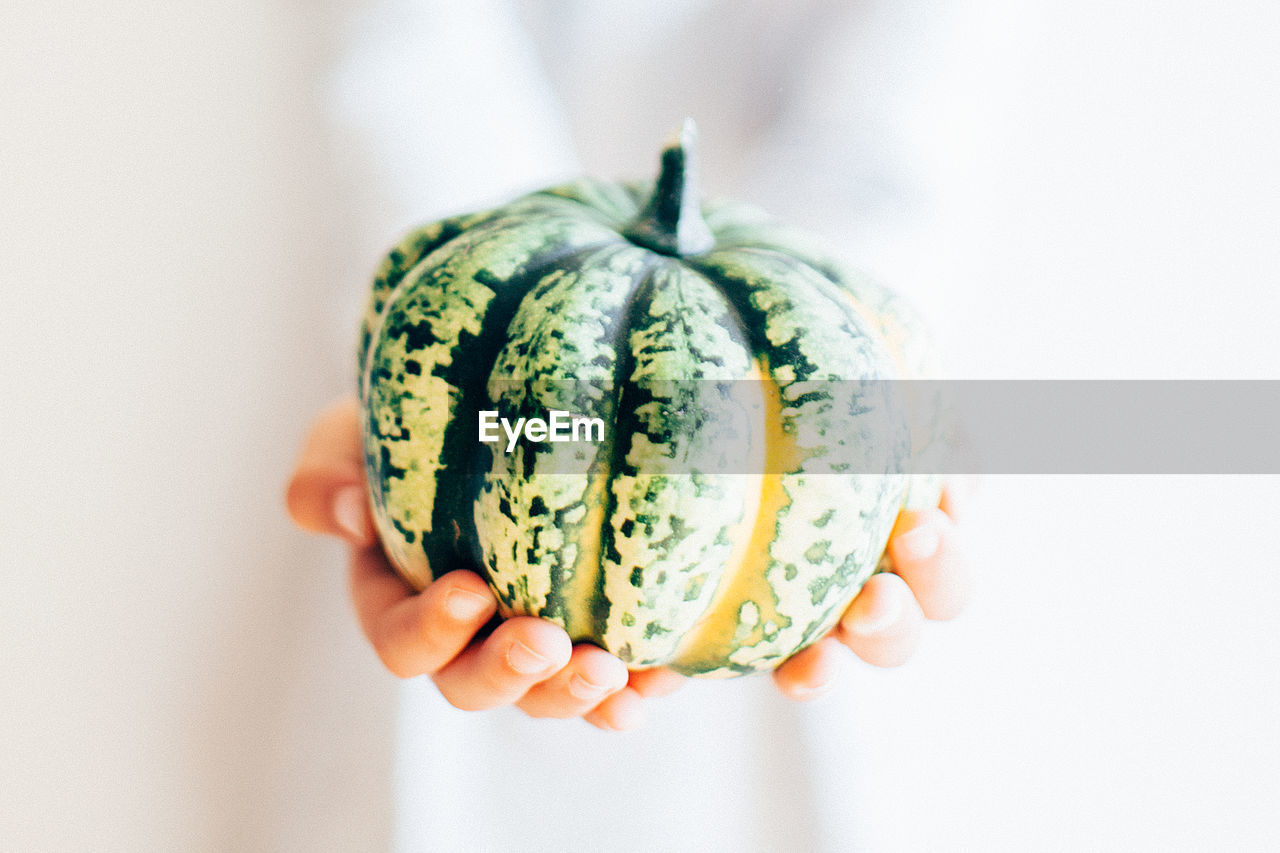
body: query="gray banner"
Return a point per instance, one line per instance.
(885, 427)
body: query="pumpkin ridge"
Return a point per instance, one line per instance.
(743, 578)
(839, 294)
(592, 546)
(413, 254)
(460, 430)
(419, 243)
(755, 530)
(678, 524)
(607, 203)
(620, 433)
(895, 321)
(444, 530)
(796, 363)
(538, 525)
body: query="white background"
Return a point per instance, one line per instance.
(182, 237)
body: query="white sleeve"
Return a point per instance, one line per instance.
(448, 108)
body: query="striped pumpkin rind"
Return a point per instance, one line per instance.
(712, 574)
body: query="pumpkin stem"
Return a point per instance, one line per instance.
(672, 221)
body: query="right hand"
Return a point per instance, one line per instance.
(526, 661)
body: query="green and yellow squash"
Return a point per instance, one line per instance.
(636, 305)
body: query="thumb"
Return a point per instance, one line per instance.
(326, 493)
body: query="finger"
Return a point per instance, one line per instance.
(957, 495)
(925, 552)
(519, 653)
(591, 675)
(417, 634)
(810, 672)
(326, 493)
(621, 712)
(883, 624)
(651, 683)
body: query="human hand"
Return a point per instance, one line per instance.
(526, 661)
(930, 579)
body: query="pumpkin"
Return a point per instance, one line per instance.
(635, 305)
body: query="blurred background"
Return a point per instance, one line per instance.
(192, 197)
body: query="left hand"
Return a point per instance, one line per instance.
(930, 580)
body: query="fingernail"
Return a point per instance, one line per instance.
(351, 514)
(465, 606)
(918, 544)
(525, 660)
(874, 616)
(806, 693)
(583, 689)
